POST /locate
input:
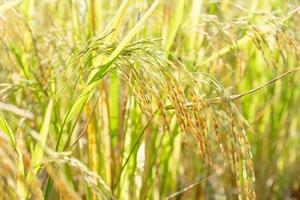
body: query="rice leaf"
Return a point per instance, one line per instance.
(38, 152)
(4, 127)
(175, 24)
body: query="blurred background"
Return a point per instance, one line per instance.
(109, 147)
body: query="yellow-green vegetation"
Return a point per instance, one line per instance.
(149, 99)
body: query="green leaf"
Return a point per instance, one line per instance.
(4, 127)
(175, 24)
(38, 152)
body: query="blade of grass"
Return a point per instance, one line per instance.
(38, 152)
(175, 24)
(4, 127)
(117, 21)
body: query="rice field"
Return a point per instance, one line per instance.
(150, 99)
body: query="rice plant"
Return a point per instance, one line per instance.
(157, 99)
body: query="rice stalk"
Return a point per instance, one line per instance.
(157, 70)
